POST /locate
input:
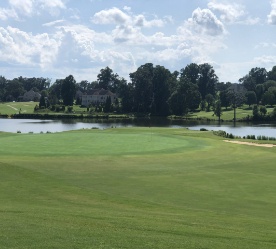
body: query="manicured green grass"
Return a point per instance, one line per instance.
(227, 114)
(135, 188)
(10, 108)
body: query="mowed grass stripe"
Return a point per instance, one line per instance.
(187, 190)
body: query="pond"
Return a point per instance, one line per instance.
(39, 126)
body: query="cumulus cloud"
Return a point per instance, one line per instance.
(141, 21)
(28, 8)
(204, 21)
(201, 36)
(128, 27)
(52, 4)
(8, 13)
(117, 16)
(25, 7)
(27, 49)
(110, 16)
(78, 47)
(229, 12)
(272, 16)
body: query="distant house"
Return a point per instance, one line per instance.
(31, 96)
(97, 96)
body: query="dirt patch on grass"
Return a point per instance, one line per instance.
(252, 144)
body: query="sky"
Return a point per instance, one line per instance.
(56, 38)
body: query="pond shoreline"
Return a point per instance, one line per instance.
(111, 116)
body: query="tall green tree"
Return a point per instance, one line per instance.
(259, 90)
(109, 80)
(209, 98)
(127, 97)
(186, 97)
(68, 90)
(224, 99)
(251, 98)
(207, 80)
(43, 102)
(236, 99)
(218, 109)
(142, 82)
(15, 88)
(3, 85)
(191, 72)
(54, 95)
(160, 85)
(268, 98)
(271, 75)
(268, 84)
(254, 77)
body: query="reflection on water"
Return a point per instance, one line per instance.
(37, 126)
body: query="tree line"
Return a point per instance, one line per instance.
(155, 89)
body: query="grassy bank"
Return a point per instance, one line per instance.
(26, 110)
(135, 188)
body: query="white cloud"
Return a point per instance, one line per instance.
(229, 12)
(202, 36)
(5, 14)
(45, 4)
(272, 16)
(54, 23)
(25, 7)
(204, 21)
(141, 21)
(110, 16)
(27, 49)
(118, 17)
(250, 21)
(28, 8)
(265, 60)
(232, 12)
(127, 9)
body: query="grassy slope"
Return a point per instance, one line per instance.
(14, 107)
(135, 188)
(241, 112)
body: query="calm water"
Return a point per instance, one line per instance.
(37, 126)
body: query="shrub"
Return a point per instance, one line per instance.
(203, 129)
(231, 136)
(70, 109)
(220, 133)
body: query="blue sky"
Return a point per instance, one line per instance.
(55, 38)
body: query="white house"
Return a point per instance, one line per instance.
(97, 96)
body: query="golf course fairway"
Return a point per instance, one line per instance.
(135, 188)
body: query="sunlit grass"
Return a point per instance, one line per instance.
(135, 188)
(10, 108)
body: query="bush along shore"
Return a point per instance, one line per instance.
(250, 137)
